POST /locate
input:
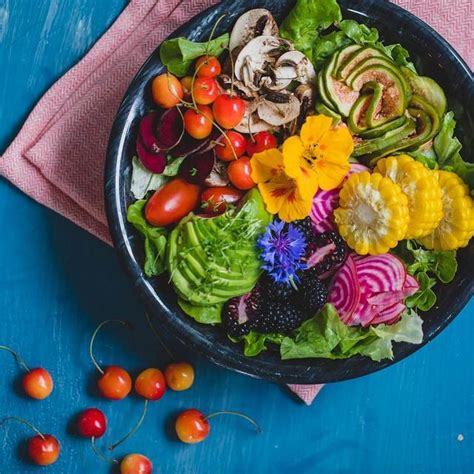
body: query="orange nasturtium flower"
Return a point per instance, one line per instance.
(289, 179)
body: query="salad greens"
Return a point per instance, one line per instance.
(255, 343)
(155, 239)
(210, 314)
(177, 54)
(325, 335)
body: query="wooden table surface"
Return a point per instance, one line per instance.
(57, 282)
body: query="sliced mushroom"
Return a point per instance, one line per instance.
(251, 122)
(218, 175)
(251, 24)
(279, 113)
(257, 54)
(293, 66)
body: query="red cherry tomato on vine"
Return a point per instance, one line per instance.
(136, 464)
(172, 202)
(198, 124)
(43, 450)
(37, 383)
(205, 90)
(166, 90)
(91, 423)
(239, 172)
(228, 110)
(215, 200)
(150, 384)
(208, 66)
(228, 151)
(261, 141)
(115, 383)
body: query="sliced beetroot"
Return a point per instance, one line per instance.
(147, 132)
(411, 286)
(324, 203)
(170, 128)
(357, 168)
(189, 145)
(155, 162)
(344, 292)
(196, 168)
(323, 226)
(390, 314)
(380, 273)
(325, 251)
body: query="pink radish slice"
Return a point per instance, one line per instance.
(391, 313)
(155, 162)
(324, 203)
(344, 292)
(380, 273)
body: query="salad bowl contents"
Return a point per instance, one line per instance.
(297, 187)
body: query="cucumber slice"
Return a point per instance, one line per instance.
(426, 88)
(325, 110)
(386, 127)
(355, 58)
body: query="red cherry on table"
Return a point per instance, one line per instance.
(192, 426)
(179, 376)
(228, 110)
(91, 423)
(37, 383)
(43, 450)
(261, 141)
(136, 464)
(151, 384)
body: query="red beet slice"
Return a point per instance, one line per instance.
(197, 168)
(155, 162)
(380, 273)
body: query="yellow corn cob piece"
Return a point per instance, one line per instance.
(373, 213)
(457, 225)
(420, 184)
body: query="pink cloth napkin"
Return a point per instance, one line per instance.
(57, 158)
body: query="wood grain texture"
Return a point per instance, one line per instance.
(57, 283)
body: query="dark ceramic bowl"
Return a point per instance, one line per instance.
(433, 57)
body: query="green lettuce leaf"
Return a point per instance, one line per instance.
(210, 314)
(427, 157)
(326, 336)
(178, 54)
(307, 20)
(359, 33)
(425, 298)
(326, 45)
(155, 239)
(143, 180)
(255, 343)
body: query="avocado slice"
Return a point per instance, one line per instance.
(353, 59)
(386, 127)
(427, 89)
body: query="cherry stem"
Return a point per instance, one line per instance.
(212, 33)
(232, 73)
(94, 334)
(17, 356)
(134, 429)
(100, 454)
(158, 337)
(236, 413)
(21, 420)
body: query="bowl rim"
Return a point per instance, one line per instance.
(154, 305)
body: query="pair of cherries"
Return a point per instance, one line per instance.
(37, 383)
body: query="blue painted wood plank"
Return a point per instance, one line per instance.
(57, 283)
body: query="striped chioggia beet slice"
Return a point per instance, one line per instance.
(380, 273)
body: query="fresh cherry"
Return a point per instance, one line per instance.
(179, 376)
(205, 90)
(230, 146)
(261, 141)
(192, 426)
(208, 66)
(228, 110)
(37, 383)
(151, 384)
(136, 464)
(115, 382)
(43, 449)
(91, 423)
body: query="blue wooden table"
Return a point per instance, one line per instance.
(57, 282)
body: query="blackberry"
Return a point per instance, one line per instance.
(280, 317)
(312, 293)
(272, 291)
(325, 252)
(305, 226)
(240, 313)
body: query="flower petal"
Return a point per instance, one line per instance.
(295, 207)
(330, 173)
(275, 192)
(307, 183)
(293, 151)
(266, 165)
(314, 128)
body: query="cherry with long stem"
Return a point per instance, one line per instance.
(17, 356)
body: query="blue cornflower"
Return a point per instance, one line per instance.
(282, 247)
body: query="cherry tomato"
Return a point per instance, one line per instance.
(208, 66)
(228, 110)
(261, 141)
(215, 200)
(192, 426)
(186, 83)
(115, 383)
(150, 384)
(239, 172)
(172, 202)
(91, 423)
(37, 383)
(166, 90)
(205, 90)
(136, 464)
(43, 450)
(179, 376)
(198, 124)
(228, 151)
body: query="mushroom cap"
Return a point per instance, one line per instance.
(294, 65)
(279, 113)
(256, 22)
